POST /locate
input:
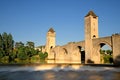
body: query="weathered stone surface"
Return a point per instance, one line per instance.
(73, 51)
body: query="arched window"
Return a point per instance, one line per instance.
(51, 47)
(94, 36)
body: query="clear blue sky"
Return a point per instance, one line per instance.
(29, 20)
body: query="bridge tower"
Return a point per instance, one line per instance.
(50, 41)
(91, 32)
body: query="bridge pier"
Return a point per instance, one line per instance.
(116, 48)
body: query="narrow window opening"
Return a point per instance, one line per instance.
(51, 47)
(94, 36)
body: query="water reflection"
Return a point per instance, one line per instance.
(60, 75)
(58, 72)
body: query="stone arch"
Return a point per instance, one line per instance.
(102, 43)
(80, 48)
(54, 54)
(65, 51)
(61, 53)
(96, 50)
(102, 60)
(97, 42)
(82, 53)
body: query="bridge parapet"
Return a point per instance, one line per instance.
(106, 40)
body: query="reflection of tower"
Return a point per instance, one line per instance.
(91, 32)
(50, 42)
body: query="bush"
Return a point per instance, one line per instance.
(22, 56)
(5, 59)
(42, 55)
(35, 59)
(108, 59)
(2, 53)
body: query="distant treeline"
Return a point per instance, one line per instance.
(15, 52)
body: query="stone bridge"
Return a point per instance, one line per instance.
(72, 52)
(113, 41)
(87, 51)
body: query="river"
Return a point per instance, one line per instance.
(59, 72)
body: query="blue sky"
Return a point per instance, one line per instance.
(29, 20)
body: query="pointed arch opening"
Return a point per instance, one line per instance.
(106, 53)
(82, 52)
(65, 51)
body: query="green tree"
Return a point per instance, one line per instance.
(22, 54)
(13, 55)
(1, 42)
(1, 47)
(10, 44)
(7, 43)
(42, 55)
(45, 54)
(109, 52)
(102, 51)
(4, 37)
(30, 44)
(1, 53)
(28, 51)
(19, 44)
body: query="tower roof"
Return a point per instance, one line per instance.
(92, 14)
(51, 30)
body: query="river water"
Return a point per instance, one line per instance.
(43, 72)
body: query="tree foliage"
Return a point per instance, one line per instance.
(19, 44)
(30, 44)
(43, 56)
(10, 52)
(6, 44)
(106, 55)
(22, 53)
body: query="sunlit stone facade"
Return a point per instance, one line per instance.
(87, 51)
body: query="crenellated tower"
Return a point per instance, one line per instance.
(91, 32)
(50, 41)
